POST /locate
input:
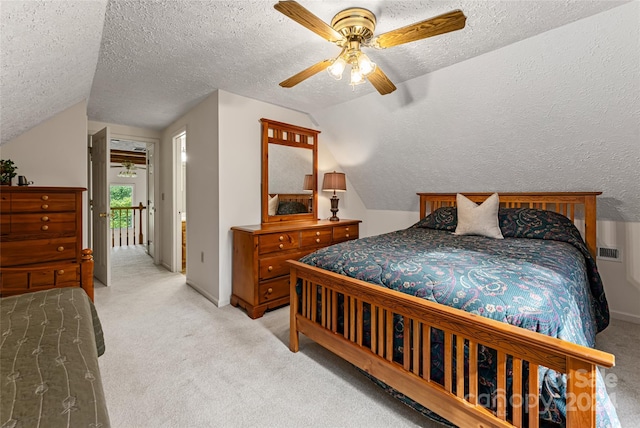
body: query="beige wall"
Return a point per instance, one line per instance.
(201, 124)
(54, 153)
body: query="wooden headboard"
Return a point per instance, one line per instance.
(564, 203)
(304, 198)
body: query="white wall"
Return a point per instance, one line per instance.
(621, 280)
(240, 172)
(54, 153)
(201, 124)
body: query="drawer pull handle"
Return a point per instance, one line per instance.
(270, 290)
(45, 218)
(318, 240)
(45, 206)
(281, 246)
(45, 227)
(45, 198)
(317, 233)
(61, 272)
(347, 235)
(281, 238)
(346, 228)
(60, 249)
(270, 268)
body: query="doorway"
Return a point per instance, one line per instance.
(180, 202)
(122, 199)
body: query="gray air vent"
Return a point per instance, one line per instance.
(612, 254)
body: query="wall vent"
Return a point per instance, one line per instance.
(612, 254)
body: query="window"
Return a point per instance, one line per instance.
(121, 196)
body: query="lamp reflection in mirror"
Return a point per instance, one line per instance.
(308, 185)
(336, 182)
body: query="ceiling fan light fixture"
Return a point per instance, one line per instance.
(356, 76)
(365, 65)
(336, 68)
(129, 170)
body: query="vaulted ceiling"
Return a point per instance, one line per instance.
(145, 63)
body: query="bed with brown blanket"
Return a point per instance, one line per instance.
(497, 332)
(49, 349)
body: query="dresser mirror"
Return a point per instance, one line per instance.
(289, 172)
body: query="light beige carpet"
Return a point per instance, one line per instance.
(173, 359)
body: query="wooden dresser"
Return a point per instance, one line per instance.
(40, 232)
(260, 274)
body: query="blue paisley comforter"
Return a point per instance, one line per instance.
(540, 277)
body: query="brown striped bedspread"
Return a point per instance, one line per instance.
(49, 348)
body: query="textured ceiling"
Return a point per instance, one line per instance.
(145, 63)
(159, 58)
(48, 56)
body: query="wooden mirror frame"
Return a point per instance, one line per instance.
(293, 136)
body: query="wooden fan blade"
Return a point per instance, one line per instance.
(381, 82)
(305, 74)
(454, 20)
(307, 19)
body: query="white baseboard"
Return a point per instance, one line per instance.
(203, 292)
(166, 266)
(623, 316)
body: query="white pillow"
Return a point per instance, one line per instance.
(474, 219)
(273, 205)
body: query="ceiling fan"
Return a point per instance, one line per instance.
(352, 29)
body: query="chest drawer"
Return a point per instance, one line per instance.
(277, 242)
(17, 253)
(343, 233)
(59, 275)
(43, 223)
(5, 203)
(42, 202)
(316, 237)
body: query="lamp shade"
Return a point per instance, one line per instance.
(308, 182)
(335, 182)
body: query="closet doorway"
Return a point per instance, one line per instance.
(180, 202)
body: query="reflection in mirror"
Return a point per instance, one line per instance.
(289, 156)
(287, 168)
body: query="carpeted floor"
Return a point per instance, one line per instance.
(173, 359)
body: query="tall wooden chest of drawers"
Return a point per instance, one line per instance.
(40, 227)
(260, 274)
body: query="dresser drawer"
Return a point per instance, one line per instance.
(42, 202)
(43, 223)
(343, 233)
(273, 289)
(316, 237)
(271, 267)
(17, 253)
(277, 242)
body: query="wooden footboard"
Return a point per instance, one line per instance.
(316, 315)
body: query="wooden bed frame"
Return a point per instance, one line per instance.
(25, 275)
(412, 377)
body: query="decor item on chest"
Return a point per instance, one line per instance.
(129, 170)
(22, 181)
(336, 182)
(352, 29)
(7, 171)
